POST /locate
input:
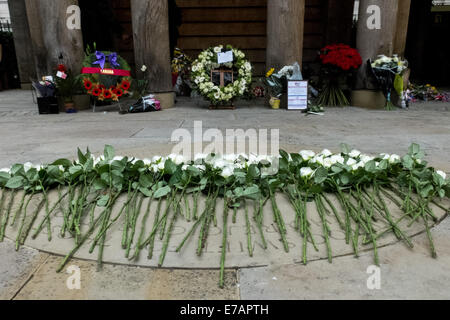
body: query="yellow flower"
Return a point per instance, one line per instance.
(428, 85)
(270, 72)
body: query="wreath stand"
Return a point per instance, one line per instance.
(221, 73)
(94, 105)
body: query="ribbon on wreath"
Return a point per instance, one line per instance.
(101, 59)
(109, 72)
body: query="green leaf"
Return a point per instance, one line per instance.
(145, 181)
(15, 182)
(162, 192)
(81, 157)
(146, 192)
(103, 201)
(62, 162)
(253, 172)
(371, 166)
(109, 152)
(426, 191)
(408, 162)
(320, 175)
(170, 167)
(345, 148)
(100, 184)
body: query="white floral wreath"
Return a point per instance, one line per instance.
(207, 61)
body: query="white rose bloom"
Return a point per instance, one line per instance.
(154, 168)
(185, 167)
(327, 163)
(217, 49)
(442, 174)
(326, 153)
(307, 154)
(355, 154)
(227, 172)
(7, 170)
(147, 162)
(27, 166)
(394, 159)
(351, 162)
(200, 167)
(318, 159)
(61, 168)
(220, 163)
(160, 166)
(366, 158)
(200, 156)
(385, 156)
(418, 161)
(337, 159)
(144, 68)
(117, 158)
(306, 172)
(230, 157)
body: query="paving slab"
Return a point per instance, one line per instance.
(405, 274)
(17, 267)
(126, 283)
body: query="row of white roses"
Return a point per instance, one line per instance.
(227, 164)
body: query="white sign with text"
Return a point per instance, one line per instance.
(297, 95)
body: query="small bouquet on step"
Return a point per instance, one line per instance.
(388, 71)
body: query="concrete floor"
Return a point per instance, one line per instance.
(30, 274)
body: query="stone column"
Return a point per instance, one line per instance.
(52, 41)
(373, 42)
(152, 47)
(404, 7)
(285, 28)
(22, 42)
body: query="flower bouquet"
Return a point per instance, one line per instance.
(276, 83)
(388, 72)
(67, 85)
(338, 63)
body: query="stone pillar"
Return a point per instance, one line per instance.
(22, 42)
(404, 7)
(373, 42)
(152, 47)
(52, 41)
(285, 28)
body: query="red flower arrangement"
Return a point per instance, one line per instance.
(338, 62)
(342, 56)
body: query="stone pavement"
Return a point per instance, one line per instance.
(29, 274)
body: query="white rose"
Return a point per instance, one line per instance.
(366, 158)
(144, 68)
(351, 162)
(307, 154)
(7, 170)
(118, 158)
(306, 172)
(227, 172)
(354, 154)
(326, 153)
(394, 159)
(156, 159)
(337, 159)
(442, 174)
(327, 163)
(27, 166)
